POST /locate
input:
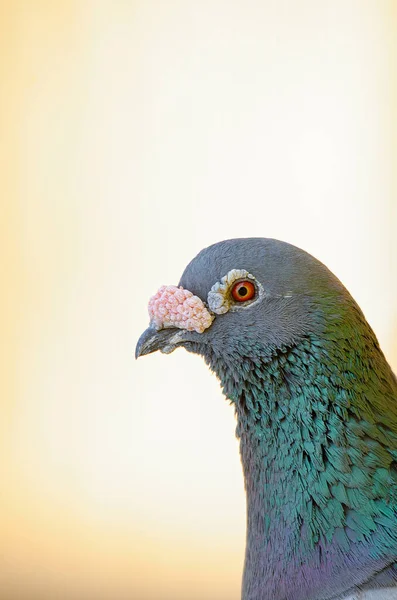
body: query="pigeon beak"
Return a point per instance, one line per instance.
(151, 340)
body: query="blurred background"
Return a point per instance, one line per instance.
(133, 134)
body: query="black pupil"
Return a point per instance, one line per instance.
(242, 291)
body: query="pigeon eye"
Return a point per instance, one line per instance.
(242, 291)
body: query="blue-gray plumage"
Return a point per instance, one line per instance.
(316, 406)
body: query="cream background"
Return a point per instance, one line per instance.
(133, 134)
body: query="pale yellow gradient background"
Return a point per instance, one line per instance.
(133, 134)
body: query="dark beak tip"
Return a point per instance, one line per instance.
(142, 344)
(149, 342)
(153, 339)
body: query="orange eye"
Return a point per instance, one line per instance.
(242, 291)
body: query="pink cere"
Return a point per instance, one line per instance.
(176, 307)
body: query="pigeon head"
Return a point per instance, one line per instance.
(256, 296)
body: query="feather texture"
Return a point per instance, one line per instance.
(316, 406)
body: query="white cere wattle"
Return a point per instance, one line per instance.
(173, 306)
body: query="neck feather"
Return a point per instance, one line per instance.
(315, 429)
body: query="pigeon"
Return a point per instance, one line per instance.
(316, 410)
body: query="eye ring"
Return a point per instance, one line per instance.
(243, 291)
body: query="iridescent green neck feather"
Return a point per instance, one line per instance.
(317, 424)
